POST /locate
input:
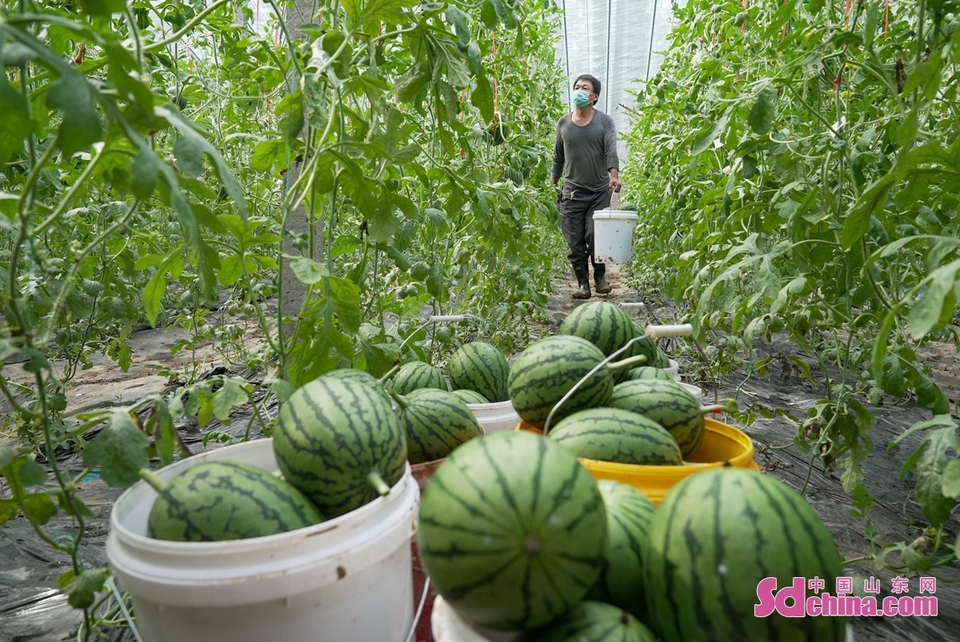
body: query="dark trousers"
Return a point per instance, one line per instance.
(576, 211)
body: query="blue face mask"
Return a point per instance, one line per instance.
(581, 98)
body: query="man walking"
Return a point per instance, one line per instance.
(585, 154)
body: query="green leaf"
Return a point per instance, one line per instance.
(935, 506)
(231, 394)
(706, 138)
(367, 12)
(8, 510)
(39, 508)
(103, 7)
(281, 388)
(77, 100)
(81, 590)
(32, 473)
(200, 144)
(189, 156)
(15, 125)
(763, 112)
(157, 285)
(907, 132)
(482, 98)
(914, 560)
(308, 271)
(503, 12)
(950, 483)
(231, 269)
(7, 455)
(871, 202)
(458, 19)
(73, 507)
(937, 305)
(893, 381)
(146, 169)
(409, 86)
(268, 153)
(119, 451)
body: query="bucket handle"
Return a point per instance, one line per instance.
(651, 332)
(419, 613)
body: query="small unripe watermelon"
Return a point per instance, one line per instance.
(434, 422)
(414, 375)
(546, 370)
(619, 436)
(471, 397)
(224, 500)
(481, 367)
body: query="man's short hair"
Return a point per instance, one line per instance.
(593, 81)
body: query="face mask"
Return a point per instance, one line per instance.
(581, 98)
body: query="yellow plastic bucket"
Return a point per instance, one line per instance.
(721, 443)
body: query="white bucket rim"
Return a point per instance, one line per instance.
(236, 545)
(493, 405)
(182, 573)
(616, 214)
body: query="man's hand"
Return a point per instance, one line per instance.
(614, 179)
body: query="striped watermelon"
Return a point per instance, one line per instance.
(512, 530)
(660, 359)
(434, 422)
(647, 372)
(340, 443)
(549, 368)
(716, 535)
(353, 374)
(471, 396)
(621, 576)
(647, 347)
(667, 403)
(619, 436)
(592, 622)
(216, 501)
(414, 375)
(480, 367)
(603, 324)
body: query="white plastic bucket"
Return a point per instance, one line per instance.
(673, 370)
(345, 580)
(693, 390)
(613, 235)
(495, 417)
(447, 626)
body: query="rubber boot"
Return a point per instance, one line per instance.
(599, 280)
(583, 281)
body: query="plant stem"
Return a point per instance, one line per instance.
(186, 28)
(78, 259)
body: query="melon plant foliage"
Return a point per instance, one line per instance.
(796, 164)
(181, 164)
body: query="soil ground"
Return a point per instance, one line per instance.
(31, 607)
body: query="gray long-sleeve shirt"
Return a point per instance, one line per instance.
(585, 155)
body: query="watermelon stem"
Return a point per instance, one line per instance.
(400, 399)
(385, 378)
(153, 479)
(377, 482)
(628, 363)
